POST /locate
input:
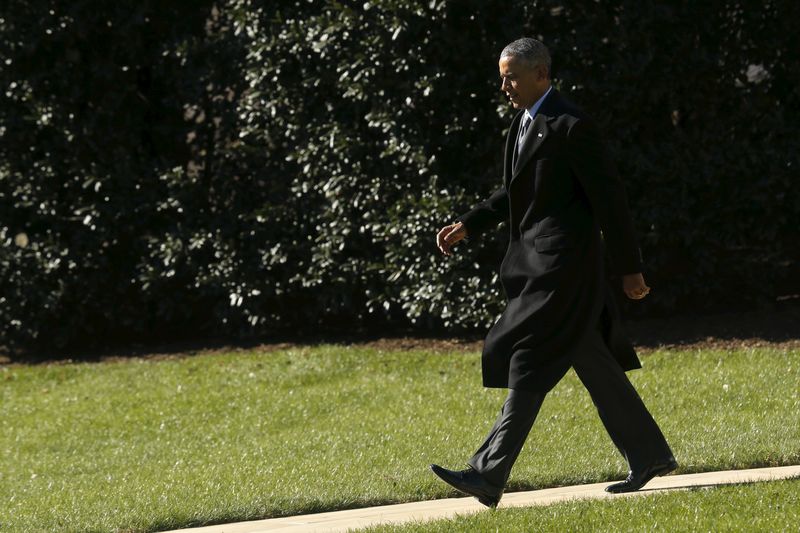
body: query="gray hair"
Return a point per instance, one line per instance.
(531, 51)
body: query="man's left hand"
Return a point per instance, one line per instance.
(634, 286)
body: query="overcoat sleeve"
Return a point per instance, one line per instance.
(486, 214)
(600, 181)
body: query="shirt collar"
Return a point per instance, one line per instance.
(535, 107)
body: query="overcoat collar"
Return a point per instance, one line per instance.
(536, 135)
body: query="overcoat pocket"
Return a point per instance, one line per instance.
(552, 242)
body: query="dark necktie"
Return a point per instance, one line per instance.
(526, 122)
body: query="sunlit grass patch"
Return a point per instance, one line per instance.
(144, 445)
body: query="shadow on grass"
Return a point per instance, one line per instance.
(518, 486)
(312, 508)
(719, 331)
(707, 486)
(610, 477)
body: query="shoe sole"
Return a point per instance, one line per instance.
(485, 500)
(663, 471)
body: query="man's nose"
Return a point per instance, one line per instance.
(503, 84)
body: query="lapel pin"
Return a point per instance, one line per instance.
(540, 135)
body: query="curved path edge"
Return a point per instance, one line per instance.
(340, 521)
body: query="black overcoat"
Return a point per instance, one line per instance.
(556, 196)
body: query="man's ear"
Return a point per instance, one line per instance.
(541, 72)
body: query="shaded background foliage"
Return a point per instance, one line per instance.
(239, 169)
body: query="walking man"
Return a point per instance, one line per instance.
(560, 190)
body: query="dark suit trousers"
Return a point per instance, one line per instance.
(624, 415)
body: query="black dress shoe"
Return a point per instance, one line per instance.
(472, 483)
(637, 480)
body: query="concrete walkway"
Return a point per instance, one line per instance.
(337, 521)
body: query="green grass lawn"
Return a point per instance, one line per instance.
(142, 445)
(758, 507)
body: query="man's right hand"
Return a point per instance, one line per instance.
(448, 236)
(634, 286)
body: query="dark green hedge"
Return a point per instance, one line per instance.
(182, 170)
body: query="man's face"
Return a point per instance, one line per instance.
(522, 84)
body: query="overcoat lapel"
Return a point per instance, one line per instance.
(508, 164)
(537, 133)
(533, 139)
